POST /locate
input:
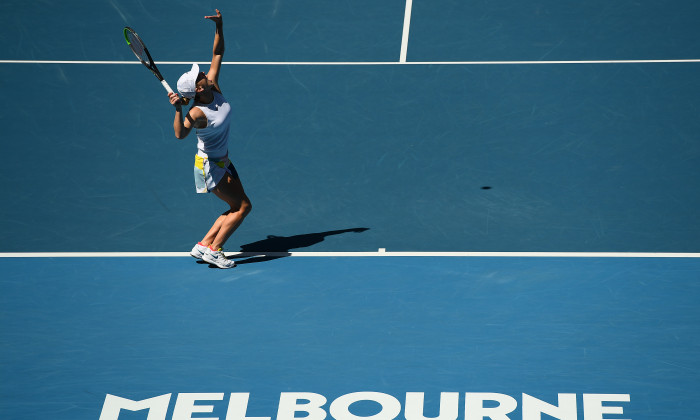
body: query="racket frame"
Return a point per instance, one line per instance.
(151, 65)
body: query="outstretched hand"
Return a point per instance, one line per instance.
(216, 18)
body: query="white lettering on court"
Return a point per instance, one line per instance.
(310, 406)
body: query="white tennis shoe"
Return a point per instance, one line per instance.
(218, 259)
(198, 251)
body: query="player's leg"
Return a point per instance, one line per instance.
(211, 235)
(230, 190)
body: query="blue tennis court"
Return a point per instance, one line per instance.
(560, 137)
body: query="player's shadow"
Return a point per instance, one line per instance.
(275, 247)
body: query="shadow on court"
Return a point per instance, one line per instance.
(274, 247)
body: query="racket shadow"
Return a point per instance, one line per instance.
(275, 247)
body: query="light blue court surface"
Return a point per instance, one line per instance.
(75, 330)
(354, 151)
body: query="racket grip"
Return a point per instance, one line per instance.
(166, 86)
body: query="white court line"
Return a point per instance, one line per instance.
(379, 253)
(406, 26)
(359, 63)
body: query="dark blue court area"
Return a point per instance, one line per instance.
(579, 157)
(581, 134)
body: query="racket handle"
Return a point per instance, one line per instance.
(166, 86)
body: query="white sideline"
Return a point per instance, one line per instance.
(358, 63)
(406, 26)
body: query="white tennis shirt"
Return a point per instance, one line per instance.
(212, 141)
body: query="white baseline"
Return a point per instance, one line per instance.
(380, 253)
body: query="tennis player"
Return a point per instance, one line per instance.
(210, 116)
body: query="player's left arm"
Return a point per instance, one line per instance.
(218, 51)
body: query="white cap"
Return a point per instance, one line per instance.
(187, 84)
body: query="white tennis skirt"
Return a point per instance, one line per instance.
(209, 172)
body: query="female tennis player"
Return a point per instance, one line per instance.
(210, 116)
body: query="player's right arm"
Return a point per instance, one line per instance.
(194, 118)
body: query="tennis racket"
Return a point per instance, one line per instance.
(141, 52)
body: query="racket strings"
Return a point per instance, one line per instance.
(137, 47)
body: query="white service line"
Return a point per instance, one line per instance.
(361, 63)
(406, 27)
(380, 253)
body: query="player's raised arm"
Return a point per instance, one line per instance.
(218, 52)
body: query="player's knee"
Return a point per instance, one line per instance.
(246, 206)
